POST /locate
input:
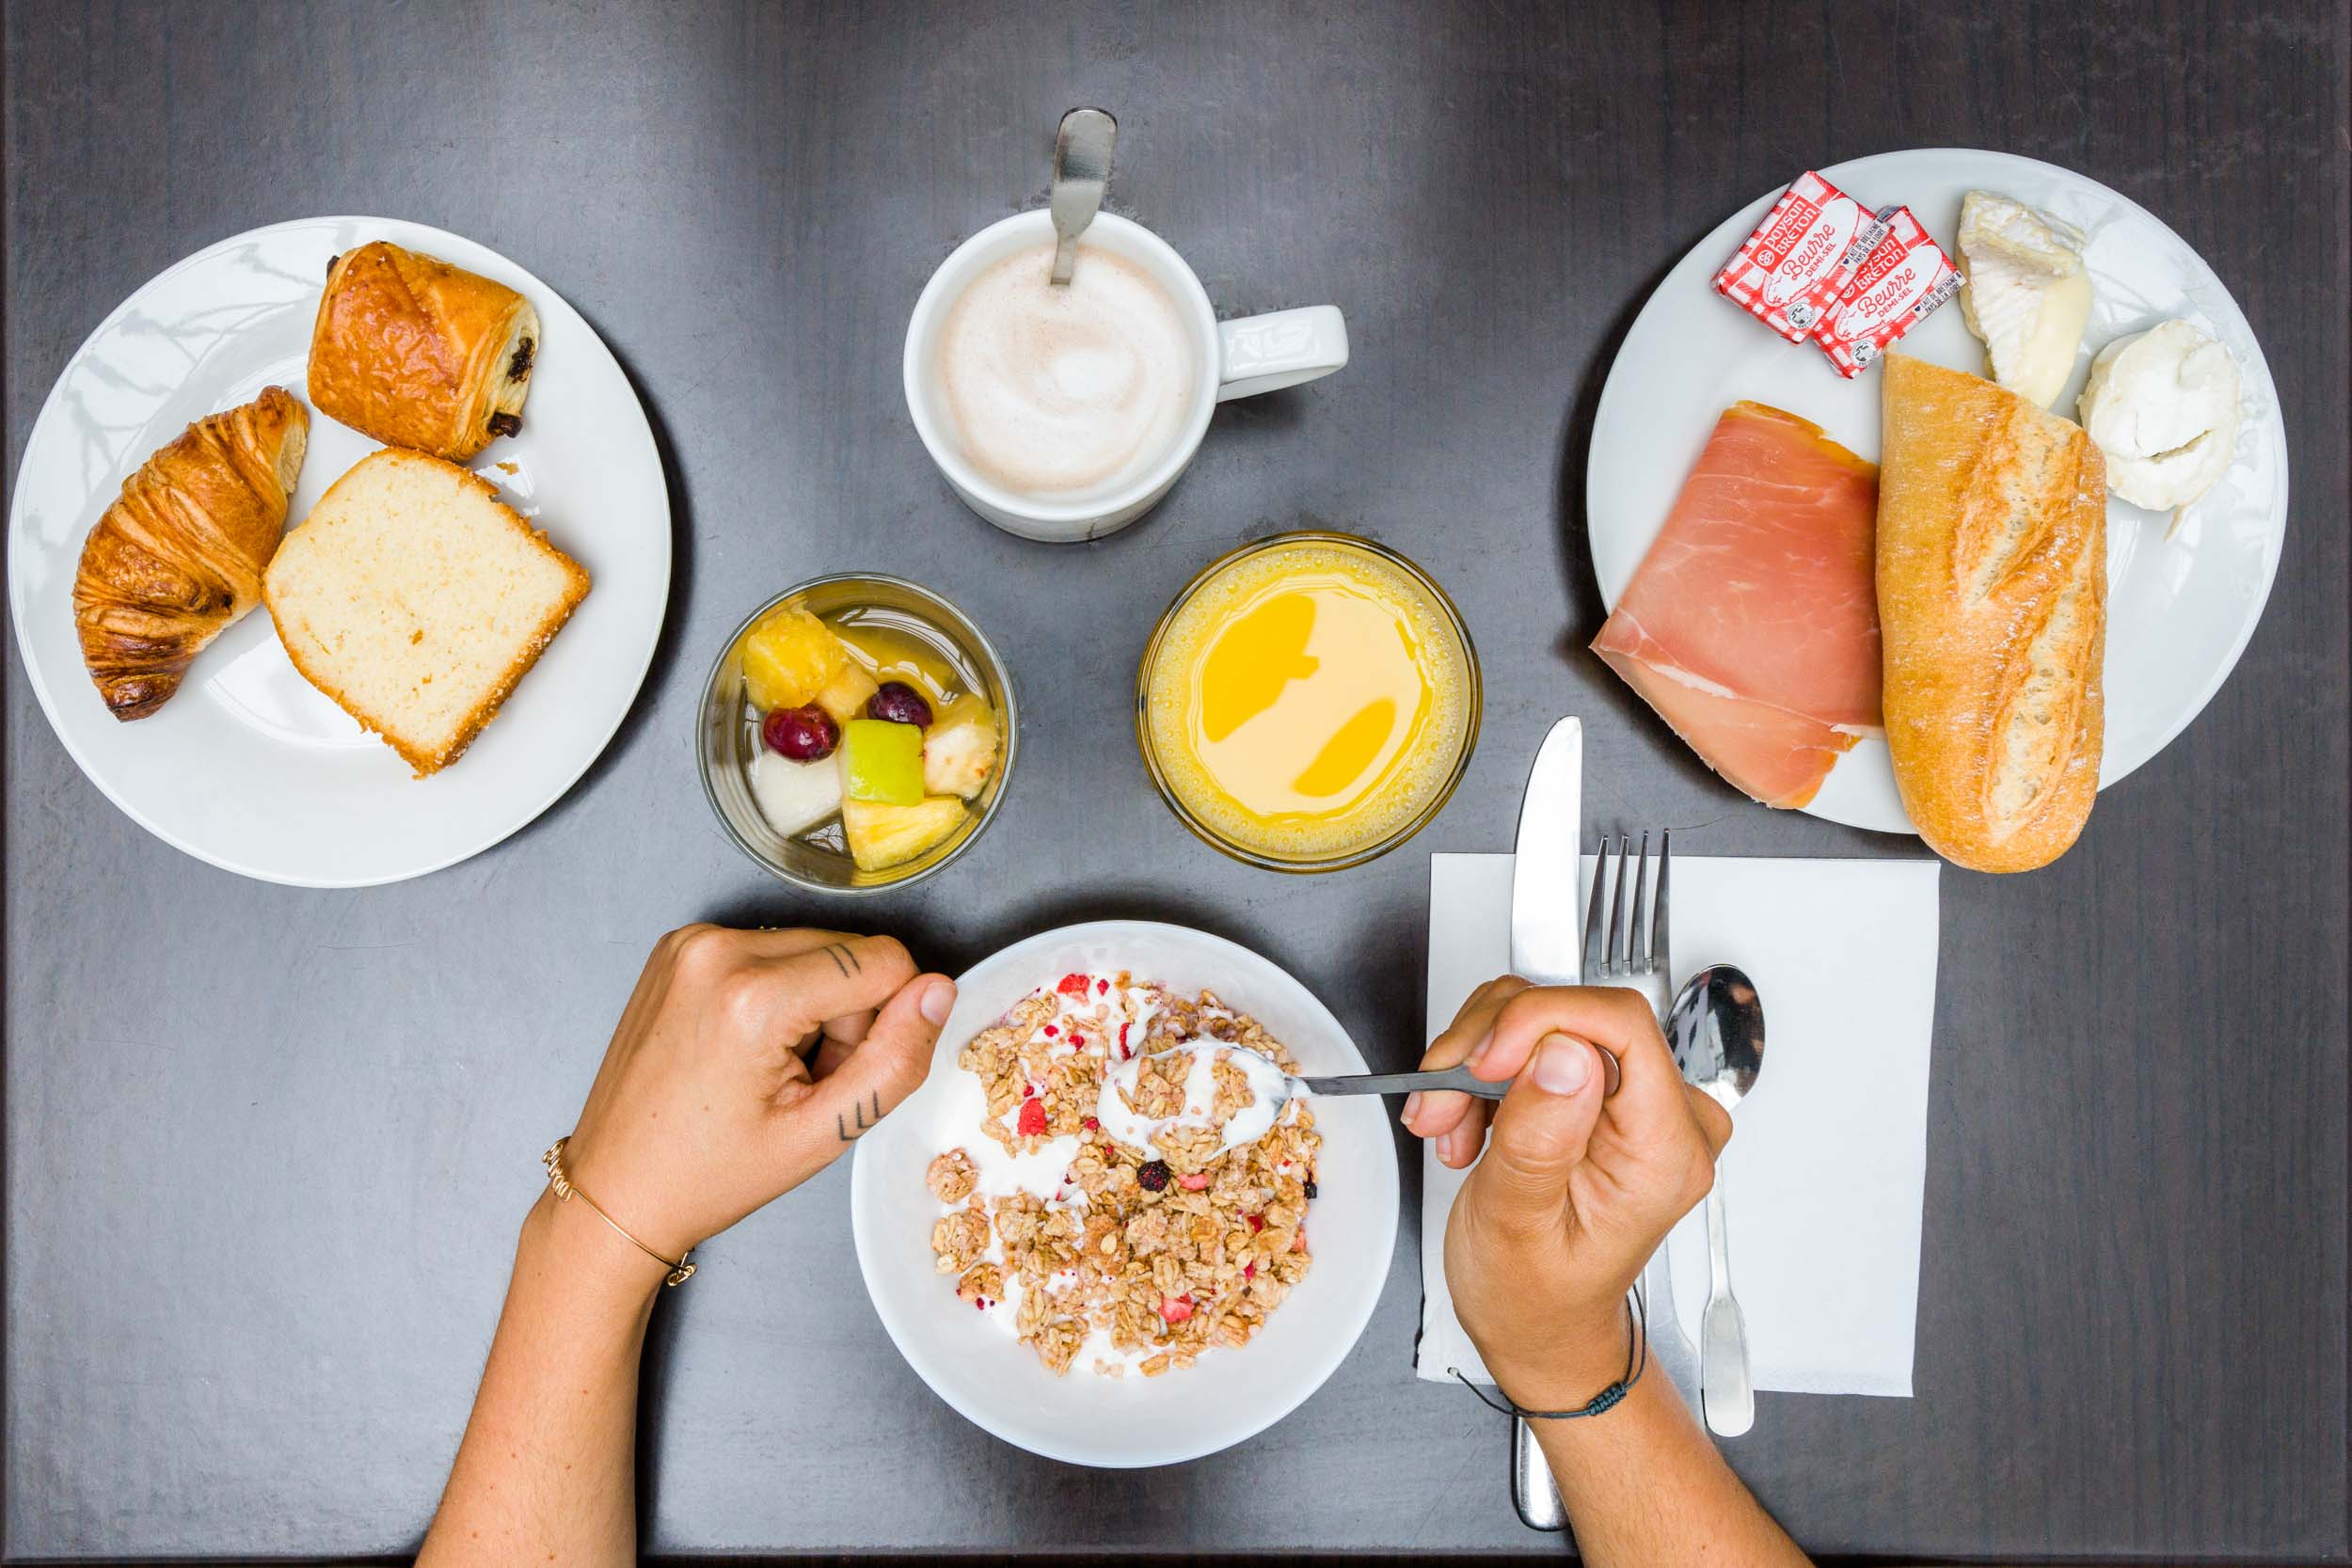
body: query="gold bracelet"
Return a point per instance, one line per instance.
(680, 1271)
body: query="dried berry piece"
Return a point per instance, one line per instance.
(1153, 1177)
(1032, 1123)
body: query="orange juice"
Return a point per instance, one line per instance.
(1309, 701)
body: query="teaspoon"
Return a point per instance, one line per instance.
(1716, 1031)
(1296, 1087)
(1082, 171)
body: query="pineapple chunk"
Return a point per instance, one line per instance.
(790, 657)
(882, 836)
(844, 695)
(960, 750)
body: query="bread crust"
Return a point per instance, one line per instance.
(419, 354)
(425, 759)
(1992, 585)
(178, 558)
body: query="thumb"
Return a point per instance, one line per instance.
(888, 1064)
(1542, 1127)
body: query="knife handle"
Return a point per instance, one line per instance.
(1533, 1491)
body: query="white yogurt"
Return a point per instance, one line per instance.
(1268, 1084)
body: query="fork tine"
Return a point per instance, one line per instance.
(1641, 964)
(1657, 949)
(1592, 912)
(1619, 963)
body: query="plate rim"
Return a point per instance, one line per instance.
(51, 409)
(2275, 544)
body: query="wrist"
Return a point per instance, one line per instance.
(1566, 1367)
(594, 1265)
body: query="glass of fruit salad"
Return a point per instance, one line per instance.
(856, 734)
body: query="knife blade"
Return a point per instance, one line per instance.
(1548, 947)
(1547, 939)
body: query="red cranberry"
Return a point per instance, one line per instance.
(802, 733)
(899, 704)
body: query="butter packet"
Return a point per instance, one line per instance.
(1790, 273)
(1903, 281)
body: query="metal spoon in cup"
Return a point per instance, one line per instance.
(1082, 171)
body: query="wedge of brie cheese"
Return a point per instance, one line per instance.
(2027, 295)
(2163, 406)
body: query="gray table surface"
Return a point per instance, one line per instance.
(266, 1149)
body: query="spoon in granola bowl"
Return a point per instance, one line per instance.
(1125, 1116)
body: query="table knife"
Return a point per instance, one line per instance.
(1548, 947)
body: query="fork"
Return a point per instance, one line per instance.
(1615, 954)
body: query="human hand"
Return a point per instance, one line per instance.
(745, 1062)
(1576, 1190)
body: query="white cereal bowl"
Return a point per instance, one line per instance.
(1084, 1417)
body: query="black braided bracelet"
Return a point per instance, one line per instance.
(1636, 1363)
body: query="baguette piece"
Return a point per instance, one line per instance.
(415, 598)
(1993, 585)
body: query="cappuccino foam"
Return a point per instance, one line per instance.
(1066, 392)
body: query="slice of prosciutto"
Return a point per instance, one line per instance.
(1752, 626)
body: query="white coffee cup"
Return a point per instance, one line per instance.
(1233, 360)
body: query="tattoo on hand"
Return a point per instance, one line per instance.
(843, 959)
(850, 1135)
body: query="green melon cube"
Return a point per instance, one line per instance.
(882, 762)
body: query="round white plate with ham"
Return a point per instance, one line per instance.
(2180, 608)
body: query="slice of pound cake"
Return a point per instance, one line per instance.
(416, 599)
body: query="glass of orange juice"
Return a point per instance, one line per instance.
(1309, 701)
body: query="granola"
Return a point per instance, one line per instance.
(1095, 1251)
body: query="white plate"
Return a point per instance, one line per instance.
(1086, 1418)
(248, 767)
(2179, 610)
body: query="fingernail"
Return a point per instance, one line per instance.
(1561, 1065)
(1446, 1147)
(1480, 1049)
(939, 1001)
(1412, 1108)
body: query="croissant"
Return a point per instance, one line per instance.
(419, 354)
(178, 558)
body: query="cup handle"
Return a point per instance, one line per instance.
(1281, 348)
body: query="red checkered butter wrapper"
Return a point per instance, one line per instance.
(1898, 285)
(1791, 271)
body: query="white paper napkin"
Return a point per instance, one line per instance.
(1826, 1172)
